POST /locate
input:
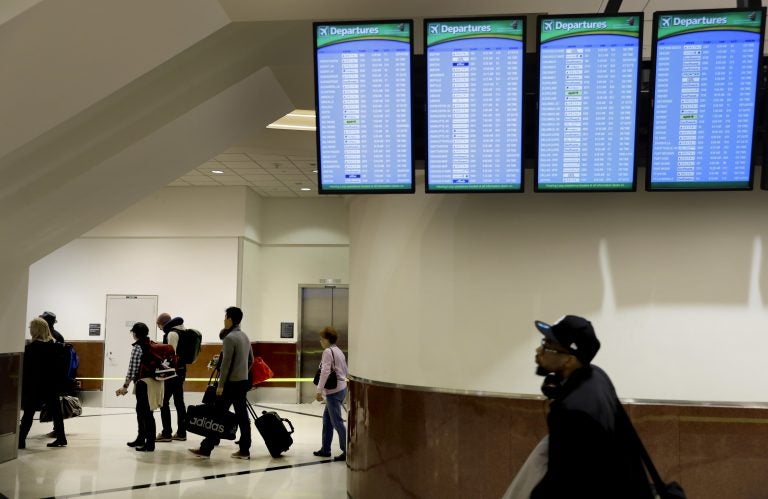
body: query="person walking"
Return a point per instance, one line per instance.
(236, 360)
(149, 392)
(40, 382)
(174, 387)
(333, 362)
(50, 319)
(591, 451)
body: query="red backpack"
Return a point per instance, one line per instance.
(158, 361)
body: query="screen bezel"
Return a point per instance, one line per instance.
(539, 21)
(471, 190)
(321, 189)
(758, 75)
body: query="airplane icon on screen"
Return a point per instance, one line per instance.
(665, 22)
(323, 30)
(433, 29)
(547, 25)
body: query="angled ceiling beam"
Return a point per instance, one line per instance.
(613, 6)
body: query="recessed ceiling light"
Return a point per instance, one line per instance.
(298, 119)
(306, 189)
(216, 171)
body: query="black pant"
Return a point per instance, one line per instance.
(53, 404)
(144, 415)
(174, 387)
(234, 394)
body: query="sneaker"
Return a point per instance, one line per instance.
(320, 453)
(200, 453)
(181, 438)
(241, 455)
(162, 438)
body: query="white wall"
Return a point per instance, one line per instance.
(444, 289)
(284, 268)
(181, 244)
(302, 241)
(200, 249)
(193, 277)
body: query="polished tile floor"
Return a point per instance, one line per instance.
(97, 463)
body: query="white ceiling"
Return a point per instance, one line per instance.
(282, 162)
(267, 175)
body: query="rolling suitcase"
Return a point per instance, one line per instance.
(272, 429)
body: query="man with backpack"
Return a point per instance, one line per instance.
(186, 344)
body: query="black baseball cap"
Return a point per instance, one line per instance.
(49, 317)
(573, 333)
(140, 329)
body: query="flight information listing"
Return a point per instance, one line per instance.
(474, 104)
(363, 77)
(704, 99)
(588, 77)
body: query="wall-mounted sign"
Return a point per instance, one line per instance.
(94, 329)
(286, 329)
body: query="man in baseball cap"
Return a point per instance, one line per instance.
(573, 334)
(591, 453)
(50, 318)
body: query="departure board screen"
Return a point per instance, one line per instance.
(588, 87)
(363, 96)
(474, 104)
(704, 90)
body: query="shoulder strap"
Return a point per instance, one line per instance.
(658, 483)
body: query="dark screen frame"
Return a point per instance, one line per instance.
(320, 187)
(758, 75)
(539, 21)
(523, 109)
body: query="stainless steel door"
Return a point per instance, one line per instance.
(319, 307)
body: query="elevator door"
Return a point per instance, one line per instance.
(319, 307)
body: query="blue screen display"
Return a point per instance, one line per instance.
(363, 76)
(588, 77)
(474, 105)
(705, 84)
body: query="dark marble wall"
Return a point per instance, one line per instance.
(10, 373)
(421, 444)
(280, 357)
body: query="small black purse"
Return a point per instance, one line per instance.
(209, 397)
(331, 382)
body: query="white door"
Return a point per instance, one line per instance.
(123, 311)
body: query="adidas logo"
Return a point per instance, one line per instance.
(208, 424)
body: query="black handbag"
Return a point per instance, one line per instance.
(662, 490)
(209, 397)
(332, 381)
(70, 408)
(208, 421)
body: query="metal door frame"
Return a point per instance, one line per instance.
(299, 331)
